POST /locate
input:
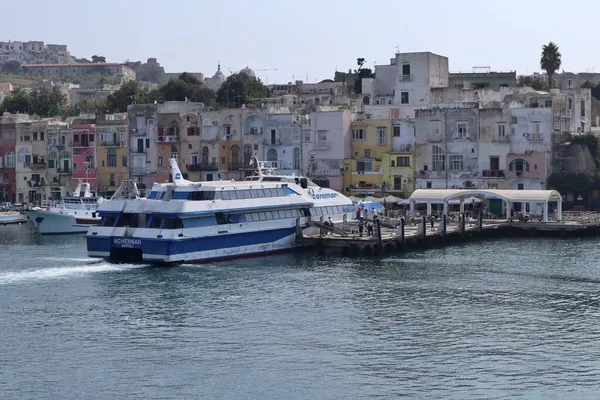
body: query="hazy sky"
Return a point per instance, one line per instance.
(310, 38)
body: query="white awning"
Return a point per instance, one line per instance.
(514, 196)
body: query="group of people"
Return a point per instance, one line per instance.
(366, 220)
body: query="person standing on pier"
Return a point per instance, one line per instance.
(370, 228)
(361, 226)
(432, 220)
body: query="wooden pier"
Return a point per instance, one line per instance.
(398, 235)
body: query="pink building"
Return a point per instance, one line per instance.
(527, 171)
(84, 154)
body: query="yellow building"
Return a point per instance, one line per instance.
(112, 155)
(398, 173)
(371, 140)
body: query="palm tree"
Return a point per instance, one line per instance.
(550, 60)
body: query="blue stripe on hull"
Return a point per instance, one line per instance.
(168, 247)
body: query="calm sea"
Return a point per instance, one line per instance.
(494, 319)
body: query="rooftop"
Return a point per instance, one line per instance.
(74, 65)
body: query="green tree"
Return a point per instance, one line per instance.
(595, 88)
(241, 89)
(186, 86)
(46, 102)
(98, 59)
(11, 67)
(361, 73)
(129, 93)
(534, 82)
(550, 60)
(16, 101)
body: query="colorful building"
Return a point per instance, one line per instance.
(8, 142)
(84, 154)
(363, 171)
(112, 153)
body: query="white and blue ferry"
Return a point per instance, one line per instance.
(186, 221)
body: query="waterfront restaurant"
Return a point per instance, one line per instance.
(527, 199)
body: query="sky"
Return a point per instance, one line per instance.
(310, 39)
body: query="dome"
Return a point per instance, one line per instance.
(249, 72)
(217, 80)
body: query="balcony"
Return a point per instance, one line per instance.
(253, 131)
(406, 78)
(235, 166)
(167, 139)
(502, 139)
(82, 144)
(36, 184)
(38, 166)
(322, 145)
(139, 132)
(63, 170)
(493, 174)
(113, 144)
(364, 188)
(270, 142)
(535, 137)
(202, 167)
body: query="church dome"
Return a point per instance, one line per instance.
(249, 72)
(217, 80)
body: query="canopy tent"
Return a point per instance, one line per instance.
(391, 199)
(371, 198)
(371, 205)
(468, 200)
(446, 196)
(354, 199)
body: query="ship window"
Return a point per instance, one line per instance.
(220, 218)
(281, 192)
(288, 213)
(173, 223)
(108, 221)
(270, 215)
(156, 222)
(255, 217)
(226, 195)
(280, 214)
(131, 220)
(233, 195)
(236, 218)
(262, 216)
(261, 193)
(254, 194)
(198, 222)
(209, 195)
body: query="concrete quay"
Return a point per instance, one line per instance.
(406, 236)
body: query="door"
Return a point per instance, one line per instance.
(495, 163)
(65, 165)
(140, 145)
(273, 137)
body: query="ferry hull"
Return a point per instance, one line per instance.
(192, 250)
(50, 223)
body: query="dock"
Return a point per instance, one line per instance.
(391, 235)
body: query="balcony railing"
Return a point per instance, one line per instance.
(502, 139)
(271, 142)
(139, 132)
(535, 137)
(113, 144)
(36, 184)
(38, 166)
(235, 166)
(492, 173)
(167, 139)
(63, 170)
(202, 167)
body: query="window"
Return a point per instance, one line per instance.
(381, 136)
(364, 165)
(396, 131)
(9, 159)
(296, 157)
(520, 186)
(428, 183)
(570, 103)
(205, 155)
(367, 153)
(124, 161)
(160, 160)
(455, 162)
(570, 83)
(111, 158)
(89, 159)
(518, 165)
(307, 136)
(536, 127)
(438, 158)
(23, 157)
(397, 183)
(271, 155)
(501, 131)
(404, 98)
(173, 151)
(51, 164)
(403, 161)
(35, 136)
(461, 130)
(583, 108)
(235, 154)
(359, 134)
(436, 128)
(42, 136)
(366, 100)
(405, 69)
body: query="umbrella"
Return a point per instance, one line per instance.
(371, 198)
(392, 199)
(354, 199)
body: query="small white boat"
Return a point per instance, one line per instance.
(72, 214)
(12, 217)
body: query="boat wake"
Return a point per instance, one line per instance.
(64, 272)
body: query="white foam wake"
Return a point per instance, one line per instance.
(62, 272)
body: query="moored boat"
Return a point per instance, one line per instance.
(188, 221)
(72, 214)
(12, 217)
